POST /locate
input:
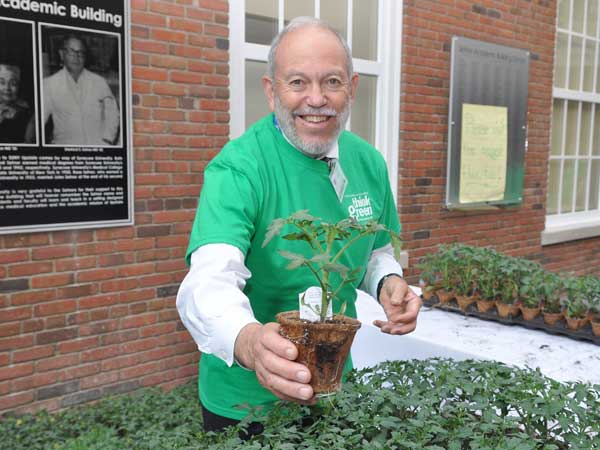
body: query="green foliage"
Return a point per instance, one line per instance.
(320, 236)
(434, 404)
(494, 276)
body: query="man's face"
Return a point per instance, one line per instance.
(10, 78)
(312, 91)
(73, 56)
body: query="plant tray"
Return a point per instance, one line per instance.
(584, 334)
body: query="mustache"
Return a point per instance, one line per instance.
(308, 111)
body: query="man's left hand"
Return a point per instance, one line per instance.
(401, 306)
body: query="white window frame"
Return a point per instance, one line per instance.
(568, 226)
(387, 68)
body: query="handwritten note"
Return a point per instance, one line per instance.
(483, 152)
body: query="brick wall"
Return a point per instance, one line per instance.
(88, 313)
(428, 29)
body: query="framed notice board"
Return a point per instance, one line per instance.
(487, 126)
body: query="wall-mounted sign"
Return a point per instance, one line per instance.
(487, 131)
(65, 122)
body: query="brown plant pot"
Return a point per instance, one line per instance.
(575, 324)
(322, 347)
(484, 306)
(444, 296)
(505, 309)
(551, 318)
(464, 301)
(530, 313)
(595, 327)
(427, 293)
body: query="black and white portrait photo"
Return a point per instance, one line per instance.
(17, 83)
(81, 87)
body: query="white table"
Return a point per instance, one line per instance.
(450, 335)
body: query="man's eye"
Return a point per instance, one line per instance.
(296, 83)
(334, 82)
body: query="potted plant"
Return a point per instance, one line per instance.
(594, 304)
(466, 270)
(430, 279)
(487, 282)
(509, 275)
(530, 293)
(552, 287)
(446, 263)
(323, 345)
(575, 303)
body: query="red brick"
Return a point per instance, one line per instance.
(167, 9)
(57, 362)
(10, 329)
(19, 270)
(8, 402)
(33, 354)
(12, 314)
(52, 252)
(13, 256)
(12, 343)
(95, 275)
(15, 371)
(54, 308)
(100, 353)
(52, 281)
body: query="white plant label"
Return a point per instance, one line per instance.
(310, 304)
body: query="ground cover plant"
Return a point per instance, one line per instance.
(434, 404)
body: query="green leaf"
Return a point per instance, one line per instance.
(274, 229)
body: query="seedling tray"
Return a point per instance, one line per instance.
(560, 328)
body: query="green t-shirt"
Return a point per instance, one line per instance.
(260, 177)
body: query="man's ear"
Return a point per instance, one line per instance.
(353, 86)
(268, 87)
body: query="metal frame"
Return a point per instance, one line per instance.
(570, 224)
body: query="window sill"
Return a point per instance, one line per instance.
(570, 227)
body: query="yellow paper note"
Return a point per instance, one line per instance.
(483, 152)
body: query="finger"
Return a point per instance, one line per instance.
(284, 368)
(284, 388)
(395, 328)
(277, 344)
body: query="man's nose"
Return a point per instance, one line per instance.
(316, 96)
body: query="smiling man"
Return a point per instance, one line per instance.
(234, 287)
(84, 110)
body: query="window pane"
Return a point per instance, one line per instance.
(363, 117)
(596, 143)
(571, 142)
(594, 185)
(296, 9)
(588, 66)
(261, 21)
(364, 29)
(584, 132)
(575, 63)
(563, 13)
(566, 204)
(560, 65)
(335, 12)
(557, 126)
(581, 185)
(256, 103)
(553, 180)
(592, 17)
(578, 10)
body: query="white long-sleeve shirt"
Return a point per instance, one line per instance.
(212, 304)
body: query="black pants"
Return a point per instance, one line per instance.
(214, 422)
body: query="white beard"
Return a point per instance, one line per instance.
(315, 150)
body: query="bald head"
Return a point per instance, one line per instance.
(306, 22)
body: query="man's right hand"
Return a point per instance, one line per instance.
(261, 348)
